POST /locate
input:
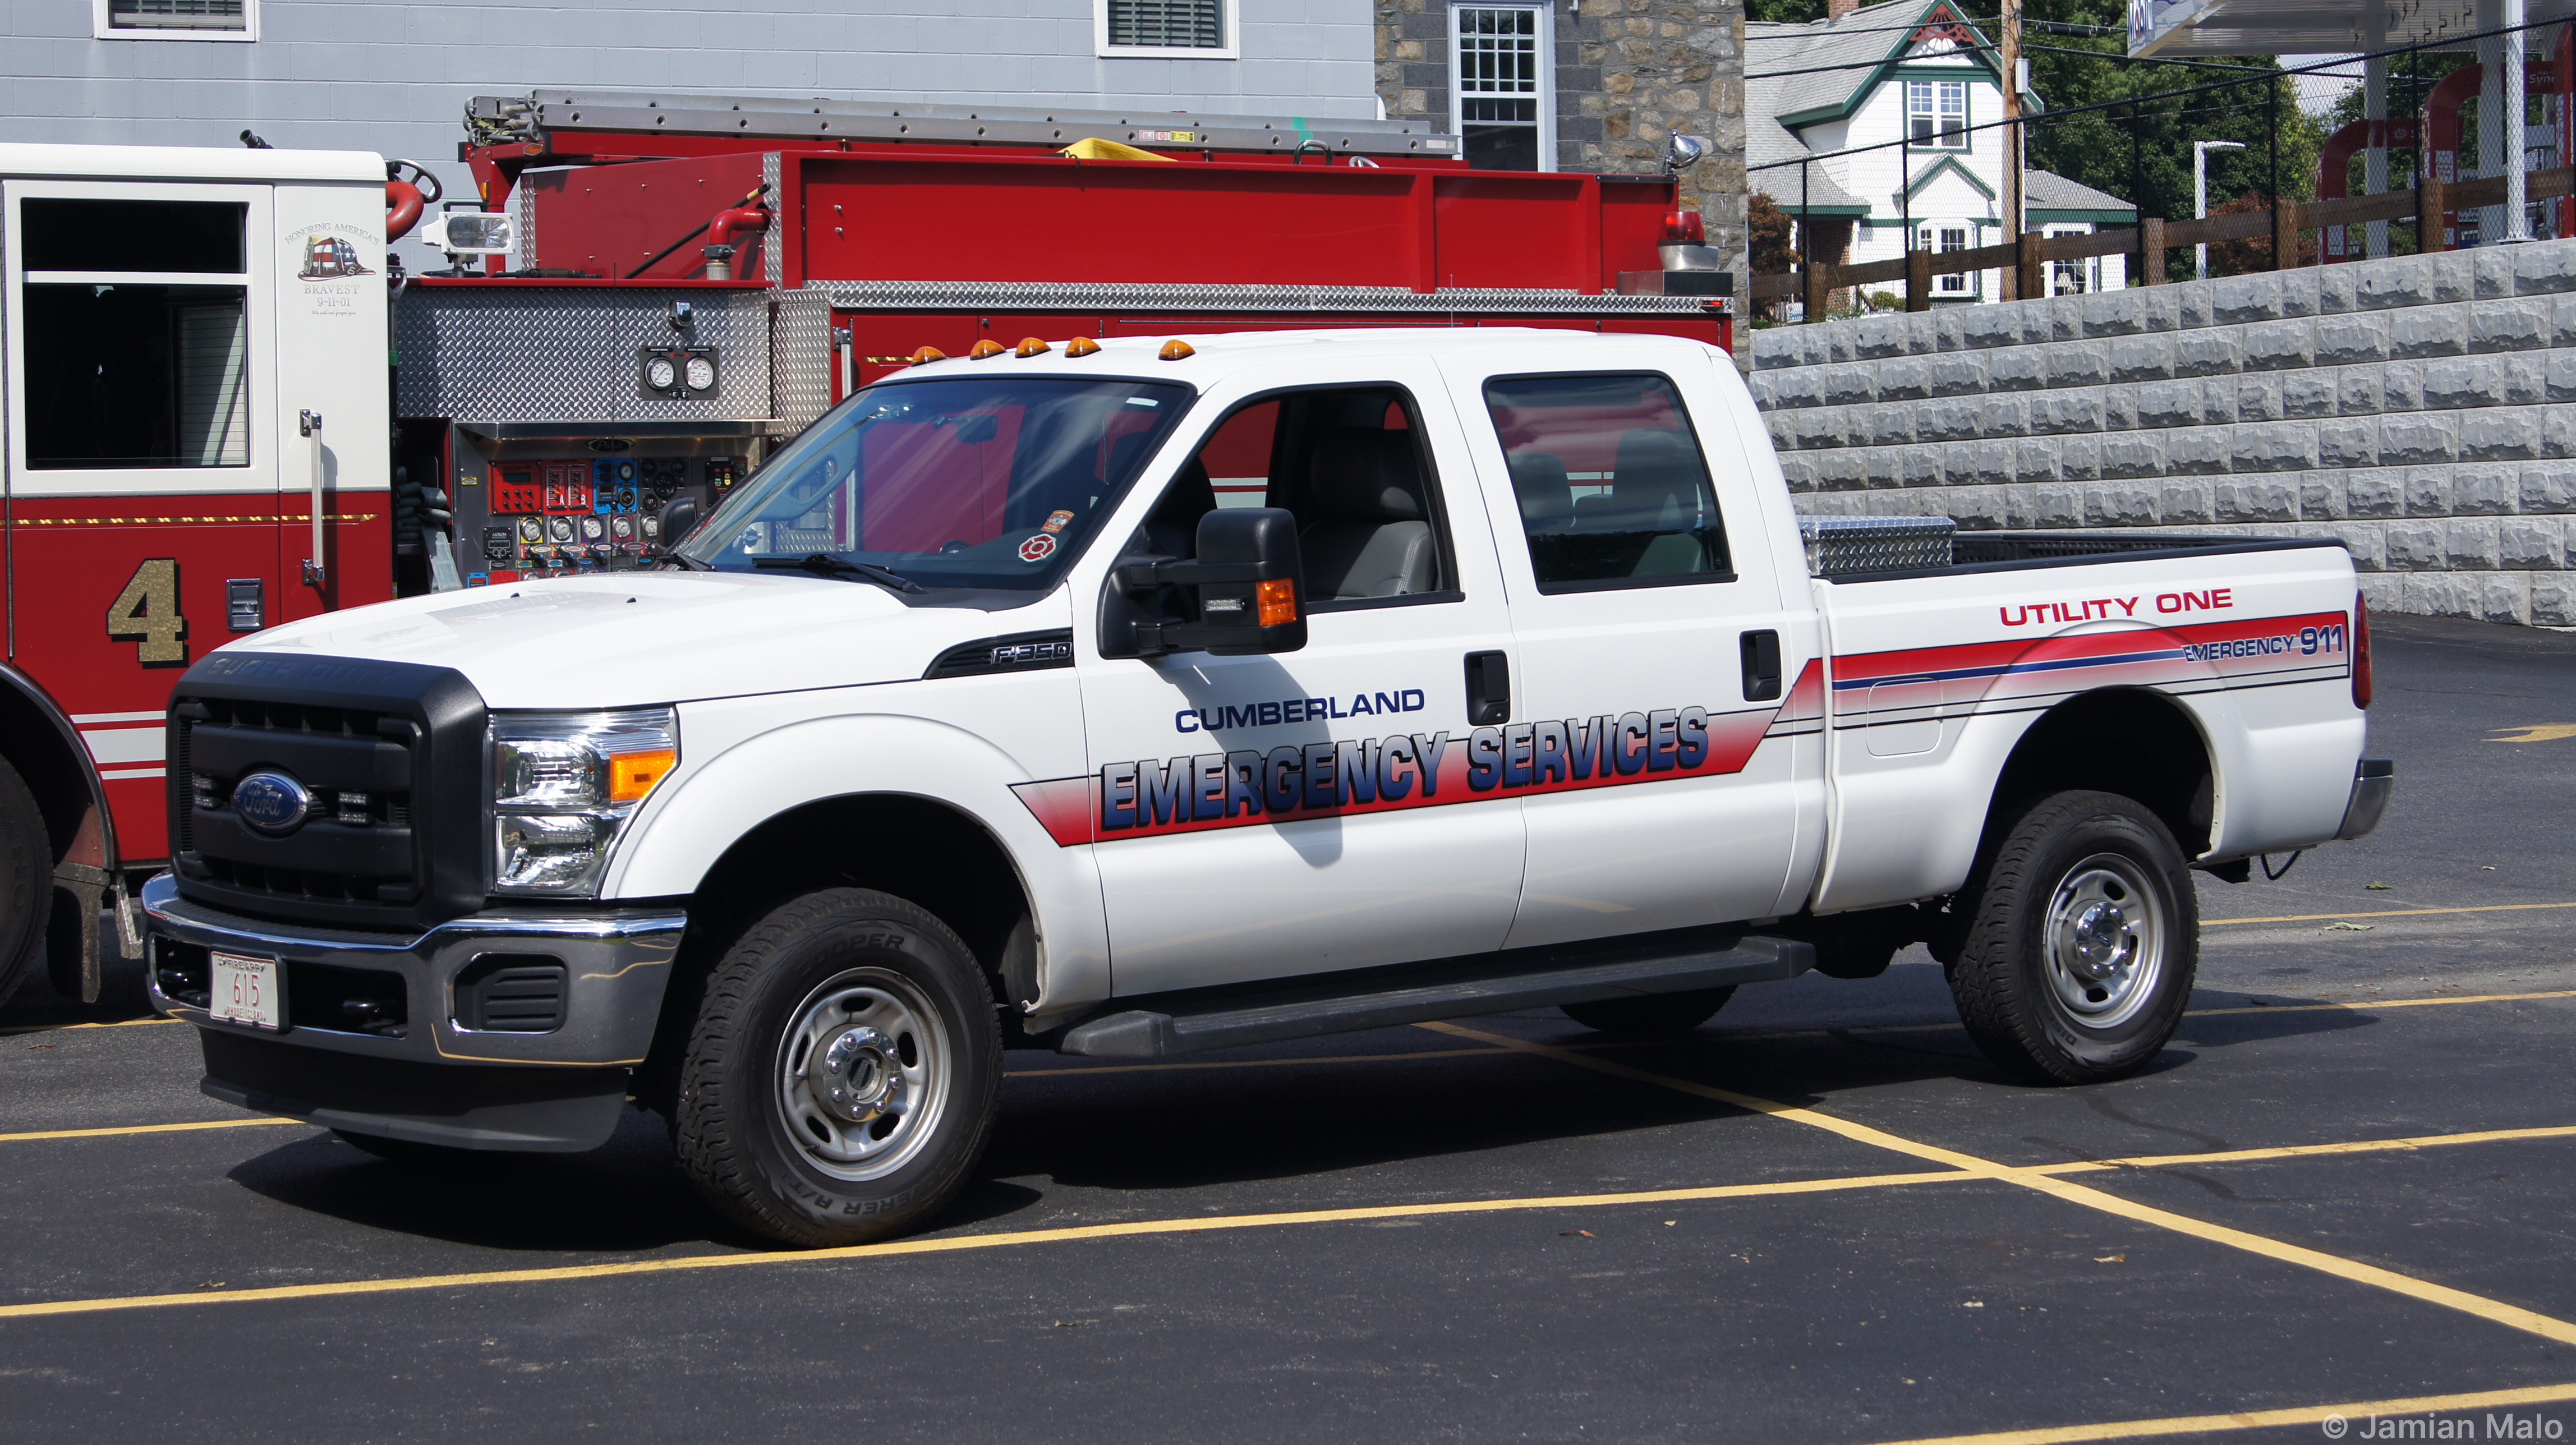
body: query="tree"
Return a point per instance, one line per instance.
(1771, 236)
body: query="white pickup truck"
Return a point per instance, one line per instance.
(1130, 698)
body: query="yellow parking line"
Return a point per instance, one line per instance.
(2310, 1151)
(2292, 1008)
(957, 1243)
(2385, 913)
(64, 1028)
(147, 1129)
(2352, 1411)
(2044, 1181)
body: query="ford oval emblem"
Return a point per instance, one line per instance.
(271, 802)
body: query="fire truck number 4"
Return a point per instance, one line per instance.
(147, 612)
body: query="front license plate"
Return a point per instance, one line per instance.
(249, 991)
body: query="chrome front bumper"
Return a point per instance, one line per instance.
(430, 1078)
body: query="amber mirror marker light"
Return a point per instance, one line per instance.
(1081, 346)
(1031, 346)
(1177, 351)
(985, 348)
(927, 355)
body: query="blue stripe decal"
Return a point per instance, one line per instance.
(2054, 665)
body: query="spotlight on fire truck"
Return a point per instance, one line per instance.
(1683, 152)
(461, 233)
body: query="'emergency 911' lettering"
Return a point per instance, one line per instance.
(2307, 642)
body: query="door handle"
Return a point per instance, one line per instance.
(1761, 665)
(1489, 689)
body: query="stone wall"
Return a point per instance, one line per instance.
(2421, 408)
(1628, 73)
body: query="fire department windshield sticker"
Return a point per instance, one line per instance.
(1037, 548)
(1195, 792)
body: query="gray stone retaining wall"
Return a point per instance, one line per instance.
(2421, 408)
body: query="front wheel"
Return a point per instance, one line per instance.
(843, 1073)
(2082, 942)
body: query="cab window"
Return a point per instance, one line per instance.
(1350, 464)
(1612, 488)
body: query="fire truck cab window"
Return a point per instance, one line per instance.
(136, 334)
(1349, 463)
(971, 482)
(1611, 485)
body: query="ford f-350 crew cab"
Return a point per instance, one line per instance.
(1134, 697)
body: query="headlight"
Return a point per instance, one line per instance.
(563, 786)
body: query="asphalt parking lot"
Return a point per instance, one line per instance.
(2342, 1193)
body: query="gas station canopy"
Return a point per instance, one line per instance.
(2179, 28)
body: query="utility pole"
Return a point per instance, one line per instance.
(2010, 25)
(2200, 150)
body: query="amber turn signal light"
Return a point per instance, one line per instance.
(632, 775)
(1177, 351)
(1081, 346)
(1278, 602)
(927, 355)
(1031, 346)
(985, 348)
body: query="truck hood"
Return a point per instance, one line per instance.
(638, 638)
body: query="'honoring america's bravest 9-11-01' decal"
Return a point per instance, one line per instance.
(1194, 792)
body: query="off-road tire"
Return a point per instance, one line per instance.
(738, 1109)
(2029, 1014)
(26, 880)
(1654, 1016)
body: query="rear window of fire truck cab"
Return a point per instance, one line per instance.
(959, 482)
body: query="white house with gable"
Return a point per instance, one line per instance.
(1905, 84)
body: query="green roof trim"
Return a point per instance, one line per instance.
(2041, 216)
(1933, 172)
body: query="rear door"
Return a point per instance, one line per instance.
(1655, 676)
(143, 517)
(1260, 817)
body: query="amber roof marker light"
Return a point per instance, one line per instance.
(1081, 346)
(985, 349)
(1030, 346)
(927, 355)
(1176, 350)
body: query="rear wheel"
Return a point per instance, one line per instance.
(1655, 1015)
(843, 1074)
(2081, 944)
(26, 880)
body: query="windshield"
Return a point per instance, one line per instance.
(963, 482)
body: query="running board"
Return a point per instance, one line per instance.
(1666, 964)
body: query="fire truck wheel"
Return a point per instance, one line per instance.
(2082, 941)
(843, 1072)
(26, 880)
(1658, 1015)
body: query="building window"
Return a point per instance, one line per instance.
(1940, 236)
(1936, 113)
(1178, 29)
(1506, 103)
(2075, 277)
(174, 19)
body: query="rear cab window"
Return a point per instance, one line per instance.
(1611, 485)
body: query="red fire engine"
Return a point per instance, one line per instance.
(199, 442)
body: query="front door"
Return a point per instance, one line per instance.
(1261, 817)
(142, 455)
(1648, 624)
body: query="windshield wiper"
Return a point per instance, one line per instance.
(688, 563)
(825, 564)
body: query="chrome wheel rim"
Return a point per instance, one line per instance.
(864, 1072)
(2106, 941)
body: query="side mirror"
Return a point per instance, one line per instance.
(679, 518)
(1250, 583)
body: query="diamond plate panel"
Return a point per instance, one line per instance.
(541, 353)
(1843, 546)
(1047, 295)
(523, 227)
(800, 366)
(771, 246)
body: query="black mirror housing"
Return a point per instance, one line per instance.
(1250, 581)
(679, 519)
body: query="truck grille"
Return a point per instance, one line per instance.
(329, 791)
